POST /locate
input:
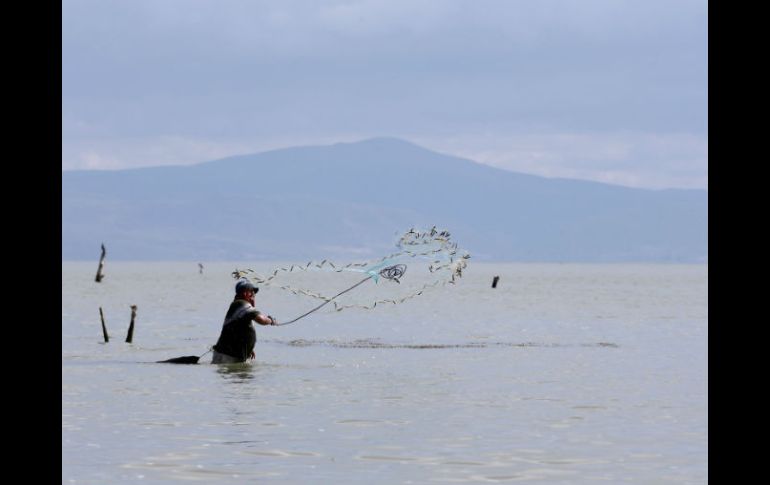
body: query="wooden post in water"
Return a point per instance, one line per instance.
(104, 327)
(494, 281)
(99, 274)
(130, 335)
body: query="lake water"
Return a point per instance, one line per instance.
(564, 373)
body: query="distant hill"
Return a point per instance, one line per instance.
(351, 201)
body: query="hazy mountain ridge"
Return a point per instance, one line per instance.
(300, 203)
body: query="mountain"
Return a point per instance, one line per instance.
(351, 201)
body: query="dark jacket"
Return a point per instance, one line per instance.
(238, 335)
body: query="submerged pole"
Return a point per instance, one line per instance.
(104, 327)
(494, 281)
(130, 335)
(99, 274)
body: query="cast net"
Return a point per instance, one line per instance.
(422, 261)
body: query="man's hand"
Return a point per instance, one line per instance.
(273, 321)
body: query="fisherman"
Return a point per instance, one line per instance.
(238, 337)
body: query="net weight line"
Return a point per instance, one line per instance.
(436, 246)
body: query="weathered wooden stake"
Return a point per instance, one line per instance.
(130, 335)
(99, 274)
(104, 327)
(494, 281)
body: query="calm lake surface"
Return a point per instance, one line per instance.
(564, 373)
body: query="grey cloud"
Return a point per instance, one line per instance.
(240, 69)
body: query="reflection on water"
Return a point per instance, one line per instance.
(236, 373)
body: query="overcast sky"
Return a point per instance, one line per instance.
(606, 90)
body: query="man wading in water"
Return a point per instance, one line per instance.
(238, 337)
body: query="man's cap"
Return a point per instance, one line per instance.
(244, 285)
